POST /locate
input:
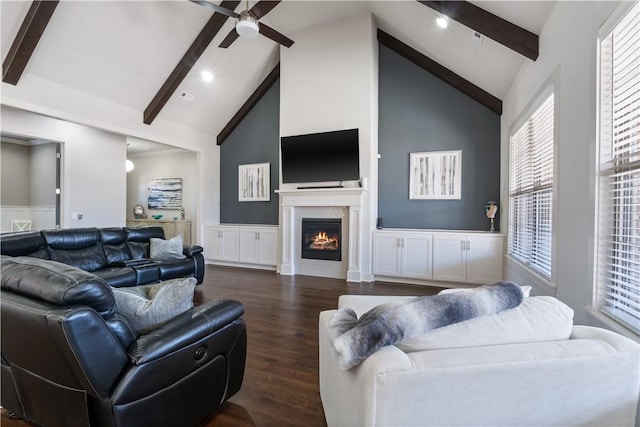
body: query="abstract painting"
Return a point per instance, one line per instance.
(165, 193)
(435, 175)
(253, 182)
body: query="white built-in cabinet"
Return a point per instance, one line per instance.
(402, 255)
(259, 246)
(472, 258)
(221, 243)
(464, 257)
(241, 244)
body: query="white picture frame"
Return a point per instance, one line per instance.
(254, 182)
(435, 175)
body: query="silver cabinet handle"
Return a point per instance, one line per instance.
(462, 243)
(468, 245)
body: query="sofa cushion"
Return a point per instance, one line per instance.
(536, 319)
(147, 307)
(166, 250)
(28, 243)
(113, 235)
(56, 283)
(116, 253)
(138, 250)
(143, 234)
(90, 258)
(72, 238)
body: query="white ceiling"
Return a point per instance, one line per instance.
(123, 51)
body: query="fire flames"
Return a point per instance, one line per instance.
(322, 241)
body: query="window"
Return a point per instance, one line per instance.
(531, 188)
(618, 248)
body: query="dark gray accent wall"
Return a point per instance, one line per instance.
(255, 140)
(419, 113)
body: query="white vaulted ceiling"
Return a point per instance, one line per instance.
(123, 51)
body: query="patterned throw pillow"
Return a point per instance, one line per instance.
(149, 306)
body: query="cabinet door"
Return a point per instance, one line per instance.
(449, 261)
(416, 256)
(212, 243)
(386, 254)
(484, 259)
(268, 247)
(249, 245)
(229, 250)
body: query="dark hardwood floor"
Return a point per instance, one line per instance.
(281, 379)
(280, 386)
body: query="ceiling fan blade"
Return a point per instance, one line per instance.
(272, 34)
(216, 8)
(263, 7)
(231, 37)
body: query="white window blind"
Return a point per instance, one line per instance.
(618, 271)
(531, 189)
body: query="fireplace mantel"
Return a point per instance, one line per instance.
(321, 197)
(350, 198)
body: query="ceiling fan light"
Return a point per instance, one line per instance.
(247, 26)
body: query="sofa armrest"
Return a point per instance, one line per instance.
(185, 329)
(198, 355)
(190, 251)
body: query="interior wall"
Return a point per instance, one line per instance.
(164, 164)
(43, 174)
(16, 172)
(568, 48)
(328, 81)
(93, 180)
(420, 113)
(255, 140)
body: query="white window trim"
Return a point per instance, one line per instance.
(597, 290)
(551, 85)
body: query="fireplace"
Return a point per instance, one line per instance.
(321, 238)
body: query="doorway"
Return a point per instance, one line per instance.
(30, 179)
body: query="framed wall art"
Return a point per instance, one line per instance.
(435, 175)
(253, 182)
(165, 193)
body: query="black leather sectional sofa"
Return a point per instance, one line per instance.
(68, 358)
(118, 255)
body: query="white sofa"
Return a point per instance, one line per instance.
(591, 378)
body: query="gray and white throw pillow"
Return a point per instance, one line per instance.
(166, 250)
(149, 306)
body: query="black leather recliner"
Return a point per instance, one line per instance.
(68, 359)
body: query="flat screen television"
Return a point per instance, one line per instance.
(320, 157)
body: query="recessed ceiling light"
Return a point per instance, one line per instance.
(442, 22)
(207, 76)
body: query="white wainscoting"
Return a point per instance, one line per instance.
(41, 217)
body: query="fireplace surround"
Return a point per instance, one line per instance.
(297, 203)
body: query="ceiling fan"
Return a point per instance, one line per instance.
(247, 24)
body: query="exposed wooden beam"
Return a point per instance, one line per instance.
(504, 32)
(26, 40)
(443, 73)
(266, 84)
(187, 62)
